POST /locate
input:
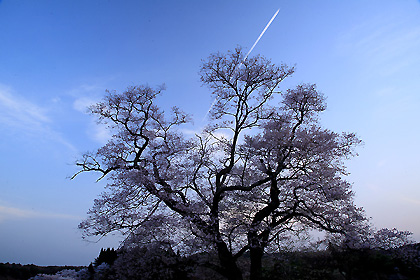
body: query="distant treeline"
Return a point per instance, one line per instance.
(13, 271)
(157, 262)
(147, 263)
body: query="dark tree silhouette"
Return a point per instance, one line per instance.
(258, 170)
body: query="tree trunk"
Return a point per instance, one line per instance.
(233, 273)
(256, 263)
(257, 245)
(230, 269)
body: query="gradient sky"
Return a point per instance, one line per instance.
(57, 57)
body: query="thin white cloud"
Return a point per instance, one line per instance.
(411, 200)
(100, 133)
(84, 89)
(96, 131)
(13, 213)
(83, 103)
(385, 43)
(190, 132)
(18, 114)
(17, 111)
(85, 96)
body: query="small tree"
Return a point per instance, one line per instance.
(106, 256)
(368, 251)
(156, 261)
(255, 173)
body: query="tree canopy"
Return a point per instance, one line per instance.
(258, 171)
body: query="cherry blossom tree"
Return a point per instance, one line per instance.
(259, 169)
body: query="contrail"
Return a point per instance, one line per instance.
(262, 33)
(253, 46)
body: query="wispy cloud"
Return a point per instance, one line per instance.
(97, 131)
(83, 103)
(411, 200)
(100, 133)
(85, 96)
(190, 132)
(384, 42)
(13, 213)
(18, 114)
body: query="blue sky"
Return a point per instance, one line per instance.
(57, 57)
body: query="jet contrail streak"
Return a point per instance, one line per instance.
(208, 111)
(262, 33)
(253, 46)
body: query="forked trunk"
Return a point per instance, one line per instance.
(230, 269)
(256, 263)
(233, 273)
